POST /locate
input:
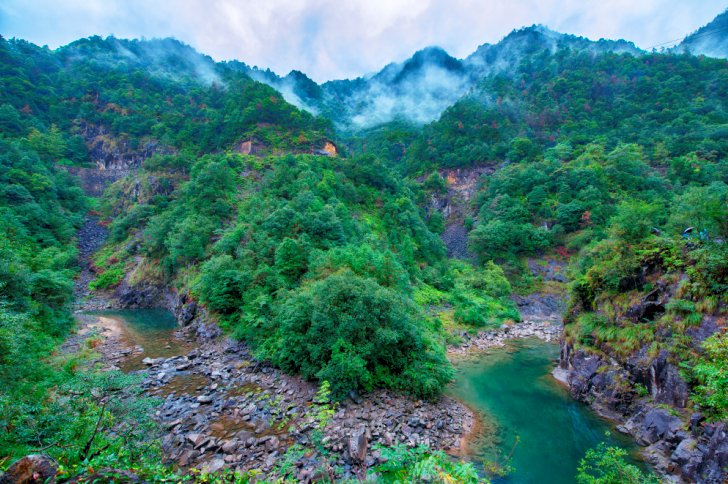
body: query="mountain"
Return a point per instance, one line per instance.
(710, 40)
(552, 159)
(420, 88)
(506, 55)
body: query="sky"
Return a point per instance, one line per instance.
(336, 39)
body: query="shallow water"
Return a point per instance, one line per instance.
(151, 329)
(527, 413)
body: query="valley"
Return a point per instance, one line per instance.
(509, 267)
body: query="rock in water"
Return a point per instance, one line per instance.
(31, 469)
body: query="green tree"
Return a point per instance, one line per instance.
(606, 465)
(633, 221)
(357, 335)
(711, 373)
(291, 258)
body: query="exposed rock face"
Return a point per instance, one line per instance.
(31, 469)
(691, 449)
(250, 147)
(94, 180)
(454, 204)
(541, 307)
(110, 152)
(329, 148)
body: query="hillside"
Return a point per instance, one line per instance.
(342, 242)
(710, 40)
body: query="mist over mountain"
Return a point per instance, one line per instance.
(167, 57)
(415, 91)
(419, 89)
(710, 40)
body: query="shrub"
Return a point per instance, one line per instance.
(357, 335)
(111, 277)
(421, 464)
(606, 465)
(711, 373)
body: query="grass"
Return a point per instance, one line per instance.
(111, 277)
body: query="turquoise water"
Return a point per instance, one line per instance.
(150, 329)
(514, 390)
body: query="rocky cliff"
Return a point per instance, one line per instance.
(628, 366)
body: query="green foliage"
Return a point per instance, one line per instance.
(481, 297)
(421, 464)
(312, 260)
(357, 335)
(111, 277)
(606, 465)
(632, 221)
(711, 374)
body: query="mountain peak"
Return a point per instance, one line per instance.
(710, 40)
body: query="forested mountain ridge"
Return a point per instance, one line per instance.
(710, 40)
(318, 245)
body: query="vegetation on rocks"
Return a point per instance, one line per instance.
(330, 266)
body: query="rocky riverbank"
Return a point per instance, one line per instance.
(496, 338)
(222, 408)
(680, 445)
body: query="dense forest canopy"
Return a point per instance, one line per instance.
(332, 267)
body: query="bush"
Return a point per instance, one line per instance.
(711, 374)
(357, 335)
(221, 284)
(111, 277)
(606, 465)
(421, 464)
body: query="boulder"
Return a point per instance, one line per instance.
(358, 442)
(684, 451)
(33, 468)
(658, 424)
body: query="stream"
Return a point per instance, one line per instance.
(150, 332)
(528, 415)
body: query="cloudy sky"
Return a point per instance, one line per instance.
(332, 39)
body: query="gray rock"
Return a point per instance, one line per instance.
(659, 424)
(358, 443)
(684, 451)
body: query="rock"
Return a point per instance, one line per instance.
(230, 446)
(205, 399)
(187, 313)
(354, 395)
(197, 440)
(272, 444)
(215, 465)
(659, 424)
(34, 468)
(271, 460)
(358, 442)
(684, 451)
(149, 361)
(186, 457)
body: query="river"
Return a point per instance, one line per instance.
(528, 415)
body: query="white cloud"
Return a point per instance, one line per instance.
(330, 39)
